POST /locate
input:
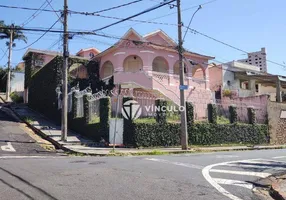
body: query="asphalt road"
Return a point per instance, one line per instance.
(29, 172)
(14, 140)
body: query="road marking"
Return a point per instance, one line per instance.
(256, 166)
(175, 163)
(8, 147)
(246, 173)
(234, 182)
(279, 157)
(206, 174)
(226, 156)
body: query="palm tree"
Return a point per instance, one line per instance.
(5, 33)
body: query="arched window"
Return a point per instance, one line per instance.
(107, 69)
(177, 68)
(133, 64)
(160, 65)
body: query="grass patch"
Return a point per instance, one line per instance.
(94, 120)
(28, 119)
(145, 121)
(222, 120)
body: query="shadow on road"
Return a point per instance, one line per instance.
(40, 190)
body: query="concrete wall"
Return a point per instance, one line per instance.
(242, 103)
(277, 126)
(17, 82)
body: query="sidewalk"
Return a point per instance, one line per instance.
(81, 145)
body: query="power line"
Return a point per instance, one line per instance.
(133, 20)
(49, 3)
(229, 45)
(4, 54)
(39, 37)
(35, 14)
(75, 12)
(132, 16)
(162, 16)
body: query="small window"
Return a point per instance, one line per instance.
(246, 61)
(249, 60)
(260, 68)
(259, 58)
(257, 88)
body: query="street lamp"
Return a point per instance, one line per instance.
(200, 7)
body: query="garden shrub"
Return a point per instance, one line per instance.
(233, 114)
(190, 113)
(148, 135)
(16, 97)
(212, 113)
(251, 115)
(161, 116)
(104, 115)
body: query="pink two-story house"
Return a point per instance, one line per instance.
(150, 63)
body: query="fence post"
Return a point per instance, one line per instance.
(104, 114)
(251, 115)
(212, 113)
(190, 113)
(128, 127)
(160, 113)
(86, 109)
(74, 105)
(233, 114)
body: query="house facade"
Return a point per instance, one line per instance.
(150, 63)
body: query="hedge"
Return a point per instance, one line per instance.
(212, 113)
(190, 113)
(147, 135)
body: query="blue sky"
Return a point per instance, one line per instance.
(246, 24)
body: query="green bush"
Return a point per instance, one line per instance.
(212, 113)
(161, 116)
(251, 115)
(233, 114)
(104, 115)
(16, 97)
(148, 135)
(190, 113)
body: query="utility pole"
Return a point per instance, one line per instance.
(184, 129)
(8, 85)
(65, 74)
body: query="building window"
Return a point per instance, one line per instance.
(260, 68)
(257, 88)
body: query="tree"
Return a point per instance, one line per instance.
(5, 33)
(3, 79)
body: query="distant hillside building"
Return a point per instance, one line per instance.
(257, 59)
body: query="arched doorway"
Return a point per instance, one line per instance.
(160, 65)
(107, 69)
(133, 64)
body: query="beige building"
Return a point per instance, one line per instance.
(257, 59)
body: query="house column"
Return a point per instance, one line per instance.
(206, 78)
(278, 91)
(252, 86)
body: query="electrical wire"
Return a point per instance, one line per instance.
(35, 14)
(231, 46)
(39, 37)
(135, 15)
(4, 54)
